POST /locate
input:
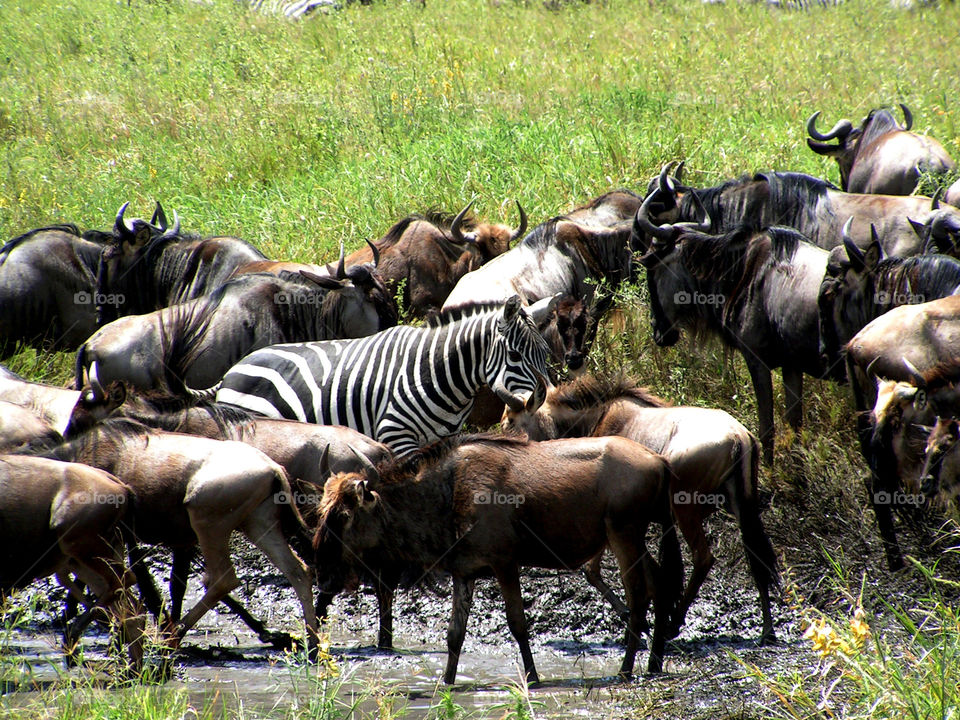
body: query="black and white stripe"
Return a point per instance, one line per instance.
(406, 386)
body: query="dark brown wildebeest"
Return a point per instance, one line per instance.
(713, 457)
(189, 346)
(62, 518)
(493, 505)
(756, 291)
(53, 405)
(860, 285)
(422, 257)
(21, 428)
(48, 287)
(188, 491)
(881, 156)
(569, 254)
(814, 207)
(941, 467)
(152, 266)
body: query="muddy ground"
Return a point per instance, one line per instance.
(575, 637)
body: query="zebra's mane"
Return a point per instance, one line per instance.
(459, 312)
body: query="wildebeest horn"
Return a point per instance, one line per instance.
(641, 220)
(121, 223)
(369, 467)
(871, 366)
(159, 219)
(99, 393)
(341, 269)
(678, 174)
(455, 227)
(915, 375)
(907, 117)
(518, 233)
(853, 251)
(175, 230)
(324, 463)
(666, 185)
(935, 200)
(376, 253)
(843, 127)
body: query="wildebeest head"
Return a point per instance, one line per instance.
(941, 466)
(847, 294)
(94, 406)
(378, 307)
(849, 139)
(488, 239)
(517, 367)
(668, 280)
(940, 233)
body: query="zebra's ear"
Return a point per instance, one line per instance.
(511, 308)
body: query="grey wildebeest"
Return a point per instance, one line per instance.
(756, 291)
(860, 285)
(491, 504)
(189, 346)
(308, 453)
(188, 491)
(814, 207)
(424, 256)
(53, 405)
(48, 287)
(881, 156)
(152, 266)
(59, 518)
(568, 254)
(406, 386)
(713, 457)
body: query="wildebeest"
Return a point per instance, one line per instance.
(814, 207)
(952, 195)
(881, 156)
(188, 491)
(568, 254)
(21, 428)
(860, 285)
(713, 458)
(941, 467)
(406, 386)
(48, 287)
(62, 518)
(189, 346)
(422, 257)
(51, 404)
(493, 505)
(152, 266)
(757, 291)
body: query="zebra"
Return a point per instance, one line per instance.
(405, 386)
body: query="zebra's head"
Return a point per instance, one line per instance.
(518, 362)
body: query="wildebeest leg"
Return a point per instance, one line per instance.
(591, 572)
(763, 387)
(180, 564)
(690, 522)
(509, 579)
(880, 493)
(148, 587)
(635, 566)
(385, 605)
(793, 395)
(219, 578)
(279, 640)
(457, 629)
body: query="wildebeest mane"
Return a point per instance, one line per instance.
(441, 219)
(542, 236)
(111, 433)
(10, 245)
(927, 276)
(591, 391)
(878, 122)
(160, 409)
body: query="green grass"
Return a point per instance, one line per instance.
(297, 136)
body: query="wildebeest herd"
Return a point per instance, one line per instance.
(219, 390)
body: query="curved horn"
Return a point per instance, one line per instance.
(369, 468)
(175, 230)
(455, 227)
(121, 223)
(376, 254)
(666, 185)
(679, 171)
(159, 219)
(518, 233)
(915, 375)
(853, 252)
(871, 366)
(324, 463)
(641, 219)
(907, 117)
(843, 127)
(935, 200)
(99, 393)
(341, 269)
(702, 225)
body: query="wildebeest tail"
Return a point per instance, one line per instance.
(746, 508)
(80, 367)
(669, 558)
(291, 521)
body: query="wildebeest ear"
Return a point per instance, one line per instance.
(918, 227)
(159, 219)
(365, 495)
(920, 399)
(118, 394)
(874, 253)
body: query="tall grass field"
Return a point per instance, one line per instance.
(298, 136)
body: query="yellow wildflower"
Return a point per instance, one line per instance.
(823, 637)
(859, 627)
